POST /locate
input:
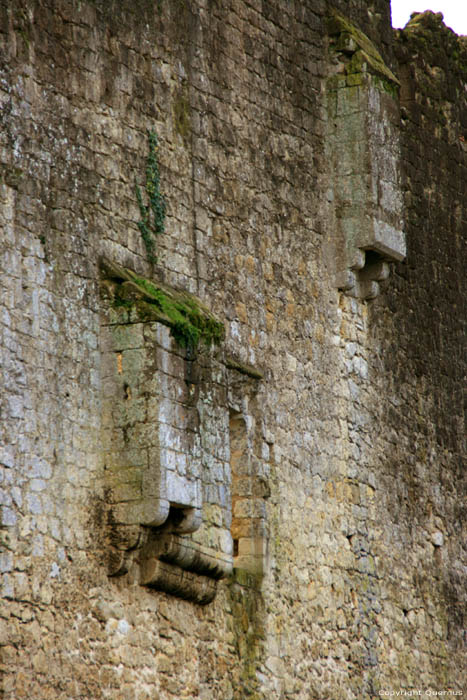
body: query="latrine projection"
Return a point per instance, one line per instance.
(165, 427)
(363, 150)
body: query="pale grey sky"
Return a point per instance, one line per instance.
(454, 11)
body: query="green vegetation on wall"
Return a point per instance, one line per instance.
(152, 222)
(362, 56)
(190, 322)
(189, 325)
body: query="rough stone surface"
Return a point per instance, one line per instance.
(348, 497)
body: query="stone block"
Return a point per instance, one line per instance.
(150, 512)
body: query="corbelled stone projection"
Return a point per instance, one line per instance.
(364, 148)
(165, 479)
(232, 351)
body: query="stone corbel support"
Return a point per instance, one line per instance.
(178, 582)
(176, 565)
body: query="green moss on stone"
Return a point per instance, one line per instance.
(427, 32)
(348, 39)
(190, 322)
(385, 86)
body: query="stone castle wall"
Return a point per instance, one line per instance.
(304, 475)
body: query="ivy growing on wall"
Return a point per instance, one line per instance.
(152, 222)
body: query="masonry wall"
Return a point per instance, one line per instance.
(353, 434)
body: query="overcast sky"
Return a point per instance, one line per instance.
(454, 11)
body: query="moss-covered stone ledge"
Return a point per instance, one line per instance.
(360, 56)
(139, 299)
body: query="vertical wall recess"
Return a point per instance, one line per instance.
(364, 157)
(164, 431)
(249, 491)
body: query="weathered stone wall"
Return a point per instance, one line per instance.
(424, 371)
(347, 441)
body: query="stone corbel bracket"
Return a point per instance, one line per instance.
(174, 564)
(363, 151)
